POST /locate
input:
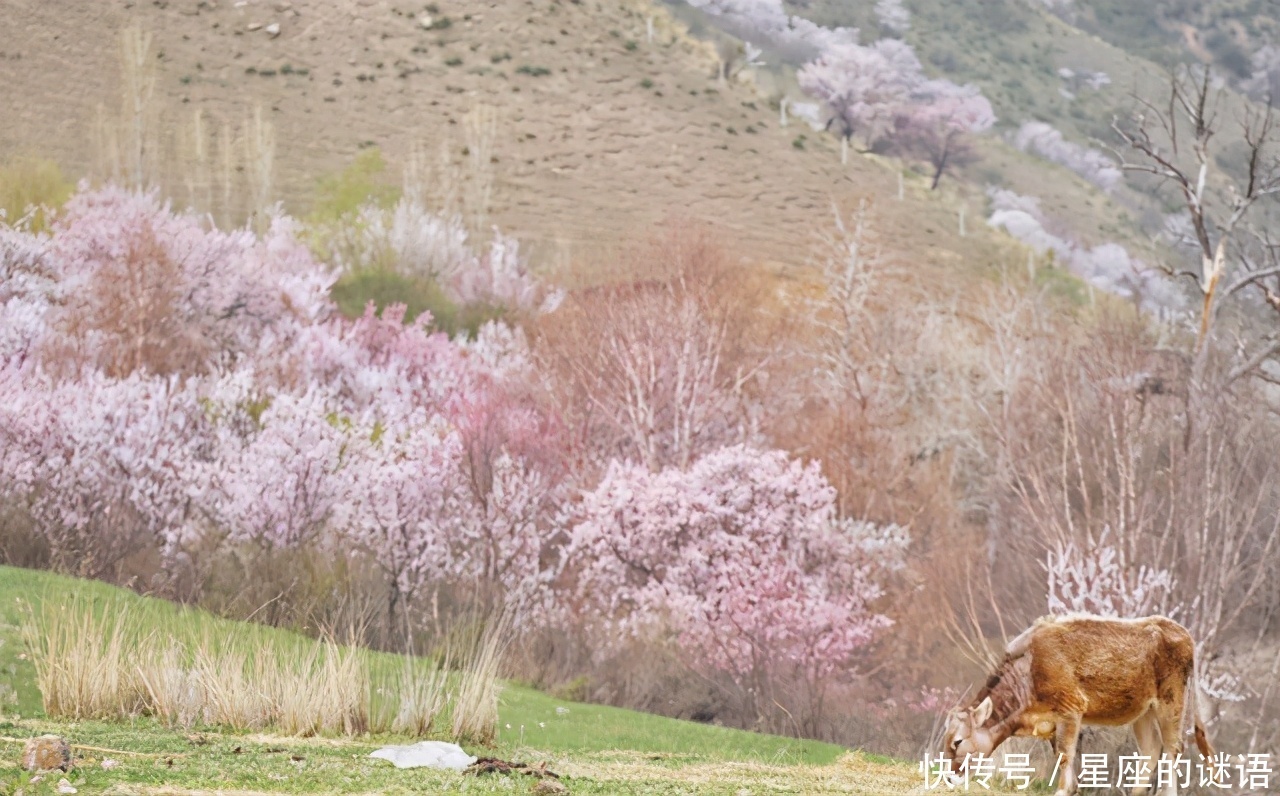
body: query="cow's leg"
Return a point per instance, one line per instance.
(1169, 715)
(1065, 739)
(1146, 730)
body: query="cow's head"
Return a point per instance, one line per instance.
(965, 734)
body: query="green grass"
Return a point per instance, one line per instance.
(384, 286)
(598, 749)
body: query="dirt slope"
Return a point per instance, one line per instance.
(619, 132)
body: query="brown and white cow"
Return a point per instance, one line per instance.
(1067, 671)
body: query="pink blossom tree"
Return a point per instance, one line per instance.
(28, 287)
(893, 16)
(146, 288)
(743, 558)
(409, 504)
(1263, 84)
(937, 120)
(104, 468)
(863, 87)
(287, 483)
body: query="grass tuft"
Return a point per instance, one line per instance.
(104, 662)
(475, 714)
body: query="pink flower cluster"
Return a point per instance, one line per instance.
(167, 387)
(743, 553)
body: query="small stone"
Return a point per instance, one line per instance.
(252, 26)
(545, 787)
(273, 29)
(109, 764)
(46, 753)
(425, 21)
(65, 787)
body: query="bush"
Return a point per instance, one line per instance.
(343, 194)
(384, 287)
(32, 184)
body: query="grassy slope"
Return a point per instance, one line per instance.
(602, 749)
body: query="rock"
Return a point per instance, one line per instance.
(252, 26)
(65, 787)
(426, 21)
(428, 754)
(544, 787)
(46, 753)
(273, 29)
(109, 764)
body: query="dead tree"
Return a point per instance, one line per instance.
(1236, 253)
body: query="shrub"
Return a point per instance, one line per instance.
(361, 183)
(382, 287)
(32, 185)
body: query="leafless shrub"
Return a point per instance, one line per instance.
(658, 368)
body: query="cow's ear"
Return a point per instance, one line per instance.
(982, 712)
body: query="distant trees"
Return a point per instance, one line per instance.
(880, 91)
(1263, 84)
(766, 24)
(893, 16)
(863, 88)
(1044, 140)
(869, 90)
(1107, 266)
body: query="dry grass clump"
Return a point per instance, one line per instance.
(422, 697)
(475, 713)
(96, 662)
(82, 662)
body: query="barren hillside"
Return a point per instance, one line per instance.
(598, 130)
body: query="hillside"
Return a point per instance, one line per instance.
(1079, 66)
(599, 132)
(570, 127)
(595, 749)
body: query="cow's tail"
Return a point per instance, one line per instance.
(1191, 720)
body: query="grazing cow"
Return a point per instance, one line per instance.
(1066, 671)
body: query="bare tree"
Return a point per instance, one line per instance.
(1236, 252)
(138, 76)
(260, 149)
(653, 370)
